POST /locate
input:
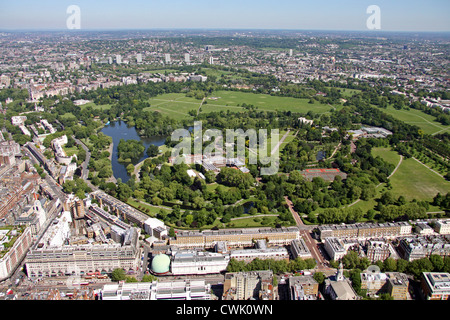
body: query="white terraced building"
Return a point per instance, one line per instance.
(170, 290)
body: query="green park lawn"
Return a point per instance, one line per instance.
(412, 180)
(177, 105)
(415, 181)
(266, 102)
(416, 117)
(95, 106)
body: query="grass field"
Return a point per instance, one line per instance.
(266, 102)
(416, 117)
(415, 181)
(412, 180)
(387, 154)
(96, 107)
(177, 105)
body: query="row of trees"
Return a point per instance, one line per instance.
(277, 266)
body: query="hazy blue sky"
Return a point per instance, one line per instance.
(396, 15)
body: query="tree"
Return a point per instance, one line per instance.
(118, 275)
(130, 279)
(350, 260)
(152, 151)
(418, 266)
(390, 264)
(387, 198)
(319, 277)
(189, 219)
(130, 169)
(402, 265)
(149, 278)
(437, 261)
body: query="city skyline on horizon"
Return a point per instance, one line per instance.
(328, 15)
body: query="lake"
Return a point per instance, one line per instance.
(119, 130)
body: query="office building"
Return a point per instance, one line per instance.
(167, 290)
(198, 262)
(334, 248)
(155, 228)
(398, 285)
(55, 254)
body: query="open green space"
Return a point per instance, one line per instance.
(143, 207)
(266, 102)
(415, 181)
(416, 117)
(95, 106)
(387, 154)
(175, 105)
(178, 106)
(70, 151)
(252, 221)
(346, 93)
(412, 180)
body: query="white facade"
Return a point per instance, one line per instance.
(170, 290)
(11, 259)
(247, 255)
(304, 120)
(334, 248)
(198, 262)
(151, 224)
(443, 226)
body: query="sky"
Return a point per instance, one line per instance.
(395, 15)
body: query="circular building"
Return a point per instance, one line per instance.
(160, 264)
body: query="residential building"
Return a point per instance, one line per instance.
(442, 226)
(435, 285)
(11, 256)
(235, 237)
(299, 249)
(412, 248)
(366, 230)
(246, 285)
(377, 250)
(303, 288)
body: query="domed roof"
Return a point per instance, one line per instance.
(160, 263)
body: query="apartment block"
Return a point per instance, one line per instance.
(435, 285)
